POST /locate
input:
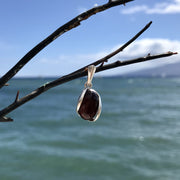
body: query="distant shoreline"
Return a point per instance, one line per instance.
(112, 76)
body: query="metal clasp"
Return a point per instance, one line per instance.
(91, 71)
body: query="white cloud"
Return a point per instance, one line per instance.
(142, 47)
(67, 63)
(171, 7)
(153, 46)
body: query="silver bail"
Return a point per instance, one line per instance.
(91, 71)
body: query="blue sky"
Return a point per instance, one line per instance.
(24, 23)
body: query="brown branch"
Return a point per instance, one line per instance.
(45, 87)
(105, 59)
(17, 97)
(5, 119)
(133, 61)
(61, 30)
(70, 77)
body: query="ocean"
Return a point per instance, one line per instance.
(137, 136)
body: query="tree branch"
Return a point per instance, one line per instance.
(79, 73)
(70, 77)
(5, 119)
(105, 59)
(133, 61)
(61, 30)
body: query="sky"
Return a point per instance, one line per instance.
(24, 23)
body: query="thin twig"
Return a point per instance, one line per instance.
(17, 97)
(132, 61)
(70, 77)
(61, 30)
(5, 119)
(124, 46)
(105, 59)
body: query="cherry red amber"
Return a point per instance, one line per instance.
(89, 106)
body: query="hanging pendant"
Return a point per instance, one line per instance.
(89, 103)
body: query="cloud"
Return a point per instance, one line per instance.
(171, 7)
(67, 63)
(142, 47)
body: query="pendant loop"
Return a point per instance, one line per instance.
(91, 71)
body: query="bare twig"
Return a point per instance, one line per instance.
(132, 61)
(17, 97)
(105, 59)
(5, 119)
(70, 77)
(61, 30)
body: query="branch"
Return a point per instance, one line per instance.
(57, 82)
(5, 119)
(71, 76)
(61, 30)
(17, 97)
(105, 59)
(133, 61)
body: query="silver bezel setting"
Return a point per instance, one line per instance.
(81, 99)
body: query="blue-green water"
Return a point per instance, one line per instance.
(137, 136)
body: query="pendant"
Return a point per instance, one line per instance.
(89, 103)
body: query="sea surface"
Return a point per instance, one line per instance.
(137, 136)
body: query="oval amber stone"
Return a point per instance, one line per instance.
(89, 105)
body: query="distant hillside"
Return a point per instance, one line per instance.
(162, 71)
